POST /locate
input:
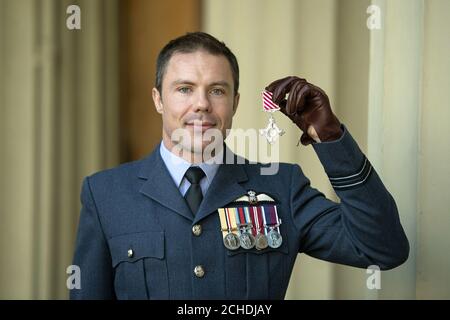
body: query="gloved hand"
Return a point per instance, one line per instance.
(308, 107)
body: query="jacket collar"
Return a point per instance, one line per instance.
(224, 188)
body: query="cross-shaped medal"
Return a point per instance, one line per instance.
(272, 131)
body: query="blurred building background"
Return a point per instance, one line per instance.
(73, 102)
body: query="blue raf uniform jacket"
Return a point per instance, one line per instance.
(136, 241)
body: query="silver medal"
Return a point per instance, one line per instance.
(231, 241)
(274, 239)
(271, 132)
(247, 240)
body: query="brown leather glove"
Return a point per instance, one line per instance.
(308, 107)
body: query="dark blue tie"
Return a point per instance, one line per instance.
(194, 194)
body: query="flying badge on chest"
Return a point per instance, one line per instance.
(251, 222)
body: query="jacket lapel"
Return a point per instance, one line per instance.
(160, 186)
(225, 187)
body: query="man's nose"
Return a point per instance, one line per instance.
(202, 102)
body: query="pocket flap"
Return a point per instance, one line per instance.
(135, 246)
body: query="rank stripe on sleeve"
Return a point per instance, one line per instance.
(353, 180)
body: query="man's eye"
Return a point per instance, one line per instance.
(217, 91)
(184, 89)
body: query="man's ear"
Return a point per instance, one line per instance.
(236, 103)
(157, 99)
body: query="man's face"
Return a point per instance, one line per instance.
(197, 88)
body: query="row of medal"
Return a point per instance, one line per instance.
(250, 227)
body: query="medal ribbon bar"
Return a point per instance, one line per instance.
(223, 222)
(231, 214)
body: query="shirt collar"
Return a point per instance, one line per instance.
(177, 166)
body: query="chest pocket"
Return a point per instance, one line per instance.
(140, 266)
(257, 274)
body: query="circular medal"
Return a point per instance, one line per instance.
(231, 241)
(274, 239)
(247, 240)
(261, 241)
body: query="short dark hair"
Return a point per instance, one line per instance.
(191, 42)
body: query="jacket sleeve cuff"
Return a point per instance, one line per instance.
(343, 161)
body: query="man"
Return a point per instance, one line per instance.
(168, 226)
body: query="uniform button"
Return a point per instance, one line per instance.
(199, 271)
(130, 253)
(197, 230)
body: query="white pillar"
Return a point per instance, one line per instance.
(433, 238)
(398, 128)
(17, 127)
